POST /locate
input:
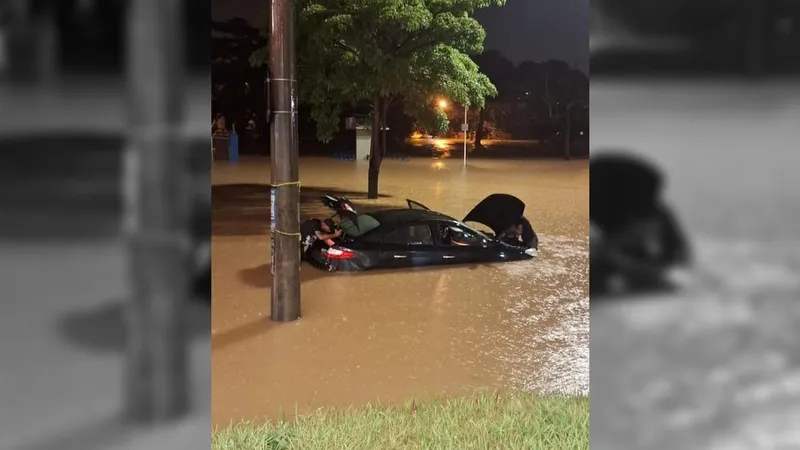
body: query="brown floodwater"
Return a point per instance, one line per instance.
(392, 335)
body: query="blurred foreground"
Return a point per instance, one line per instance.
(715, 364)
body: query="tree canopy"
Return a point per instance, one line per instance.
(231, 45)
(373, 51)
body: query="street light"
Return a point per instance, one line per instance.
(464, 127)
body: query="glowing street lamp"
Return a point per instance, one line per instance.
(464, 127)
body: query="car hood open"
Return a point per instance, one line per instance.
(346, 212)
(497, 211)
(339, 205)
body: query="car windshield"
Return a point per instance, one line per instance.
(482, 234)
(364, 224)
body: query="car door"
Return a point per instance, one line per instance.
(408, 245)
(458, 244)
(416, 205)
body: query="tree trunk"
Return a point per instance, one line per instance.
(384, 143)
(479, 129)
(567, 137)
(375, 153)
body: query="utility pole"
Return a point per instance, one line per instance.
(285, 195)
(157, 194)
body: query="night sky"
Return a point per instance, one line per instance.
(535, 30)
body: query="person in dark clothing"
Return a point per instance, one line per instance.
(316, 232)
(637, 255)
(521, 234)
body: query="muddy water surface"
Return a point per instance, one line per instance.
(391, 335)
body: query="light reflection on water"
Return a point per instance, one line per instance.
(555, 322)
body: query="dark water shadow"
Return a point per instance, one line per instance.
(102, 329)
(244, 209)
(261, 276)
(241, 333)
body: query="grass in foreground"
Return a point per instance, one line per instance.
(487, 420)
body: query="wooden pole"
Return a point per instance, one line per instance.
(285, 223)
(157, 207)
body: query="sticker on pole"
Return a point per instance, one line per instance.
(464, 127)
(273, 207)
(273, 219)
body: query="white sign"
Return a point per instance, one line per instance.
(464, 127)
(273, 219)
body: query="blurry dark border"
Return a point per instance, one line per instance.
(724, 38)
(93, 43)
(64, 181)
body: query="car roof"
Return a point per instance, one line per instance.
(398, 216)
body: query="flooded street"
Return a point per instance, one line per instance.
(445, 148)
(716, 364)
(391, 335)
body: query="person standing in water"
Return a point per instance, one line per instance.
(521, 233)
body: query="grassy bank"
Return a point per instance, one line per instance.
(485, 420)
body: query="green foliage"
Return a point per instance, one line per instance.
(485, 420)
(259, 58)
(352, 51)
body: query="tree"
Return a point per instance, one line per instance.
(500, 71)
(236, 82)
(378, 51)
(556, 94)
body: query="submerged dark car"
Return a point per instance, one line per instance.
(416, 236)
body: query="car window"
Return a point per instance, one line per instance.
(375, 237)
(410, 235)
(459, 236)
